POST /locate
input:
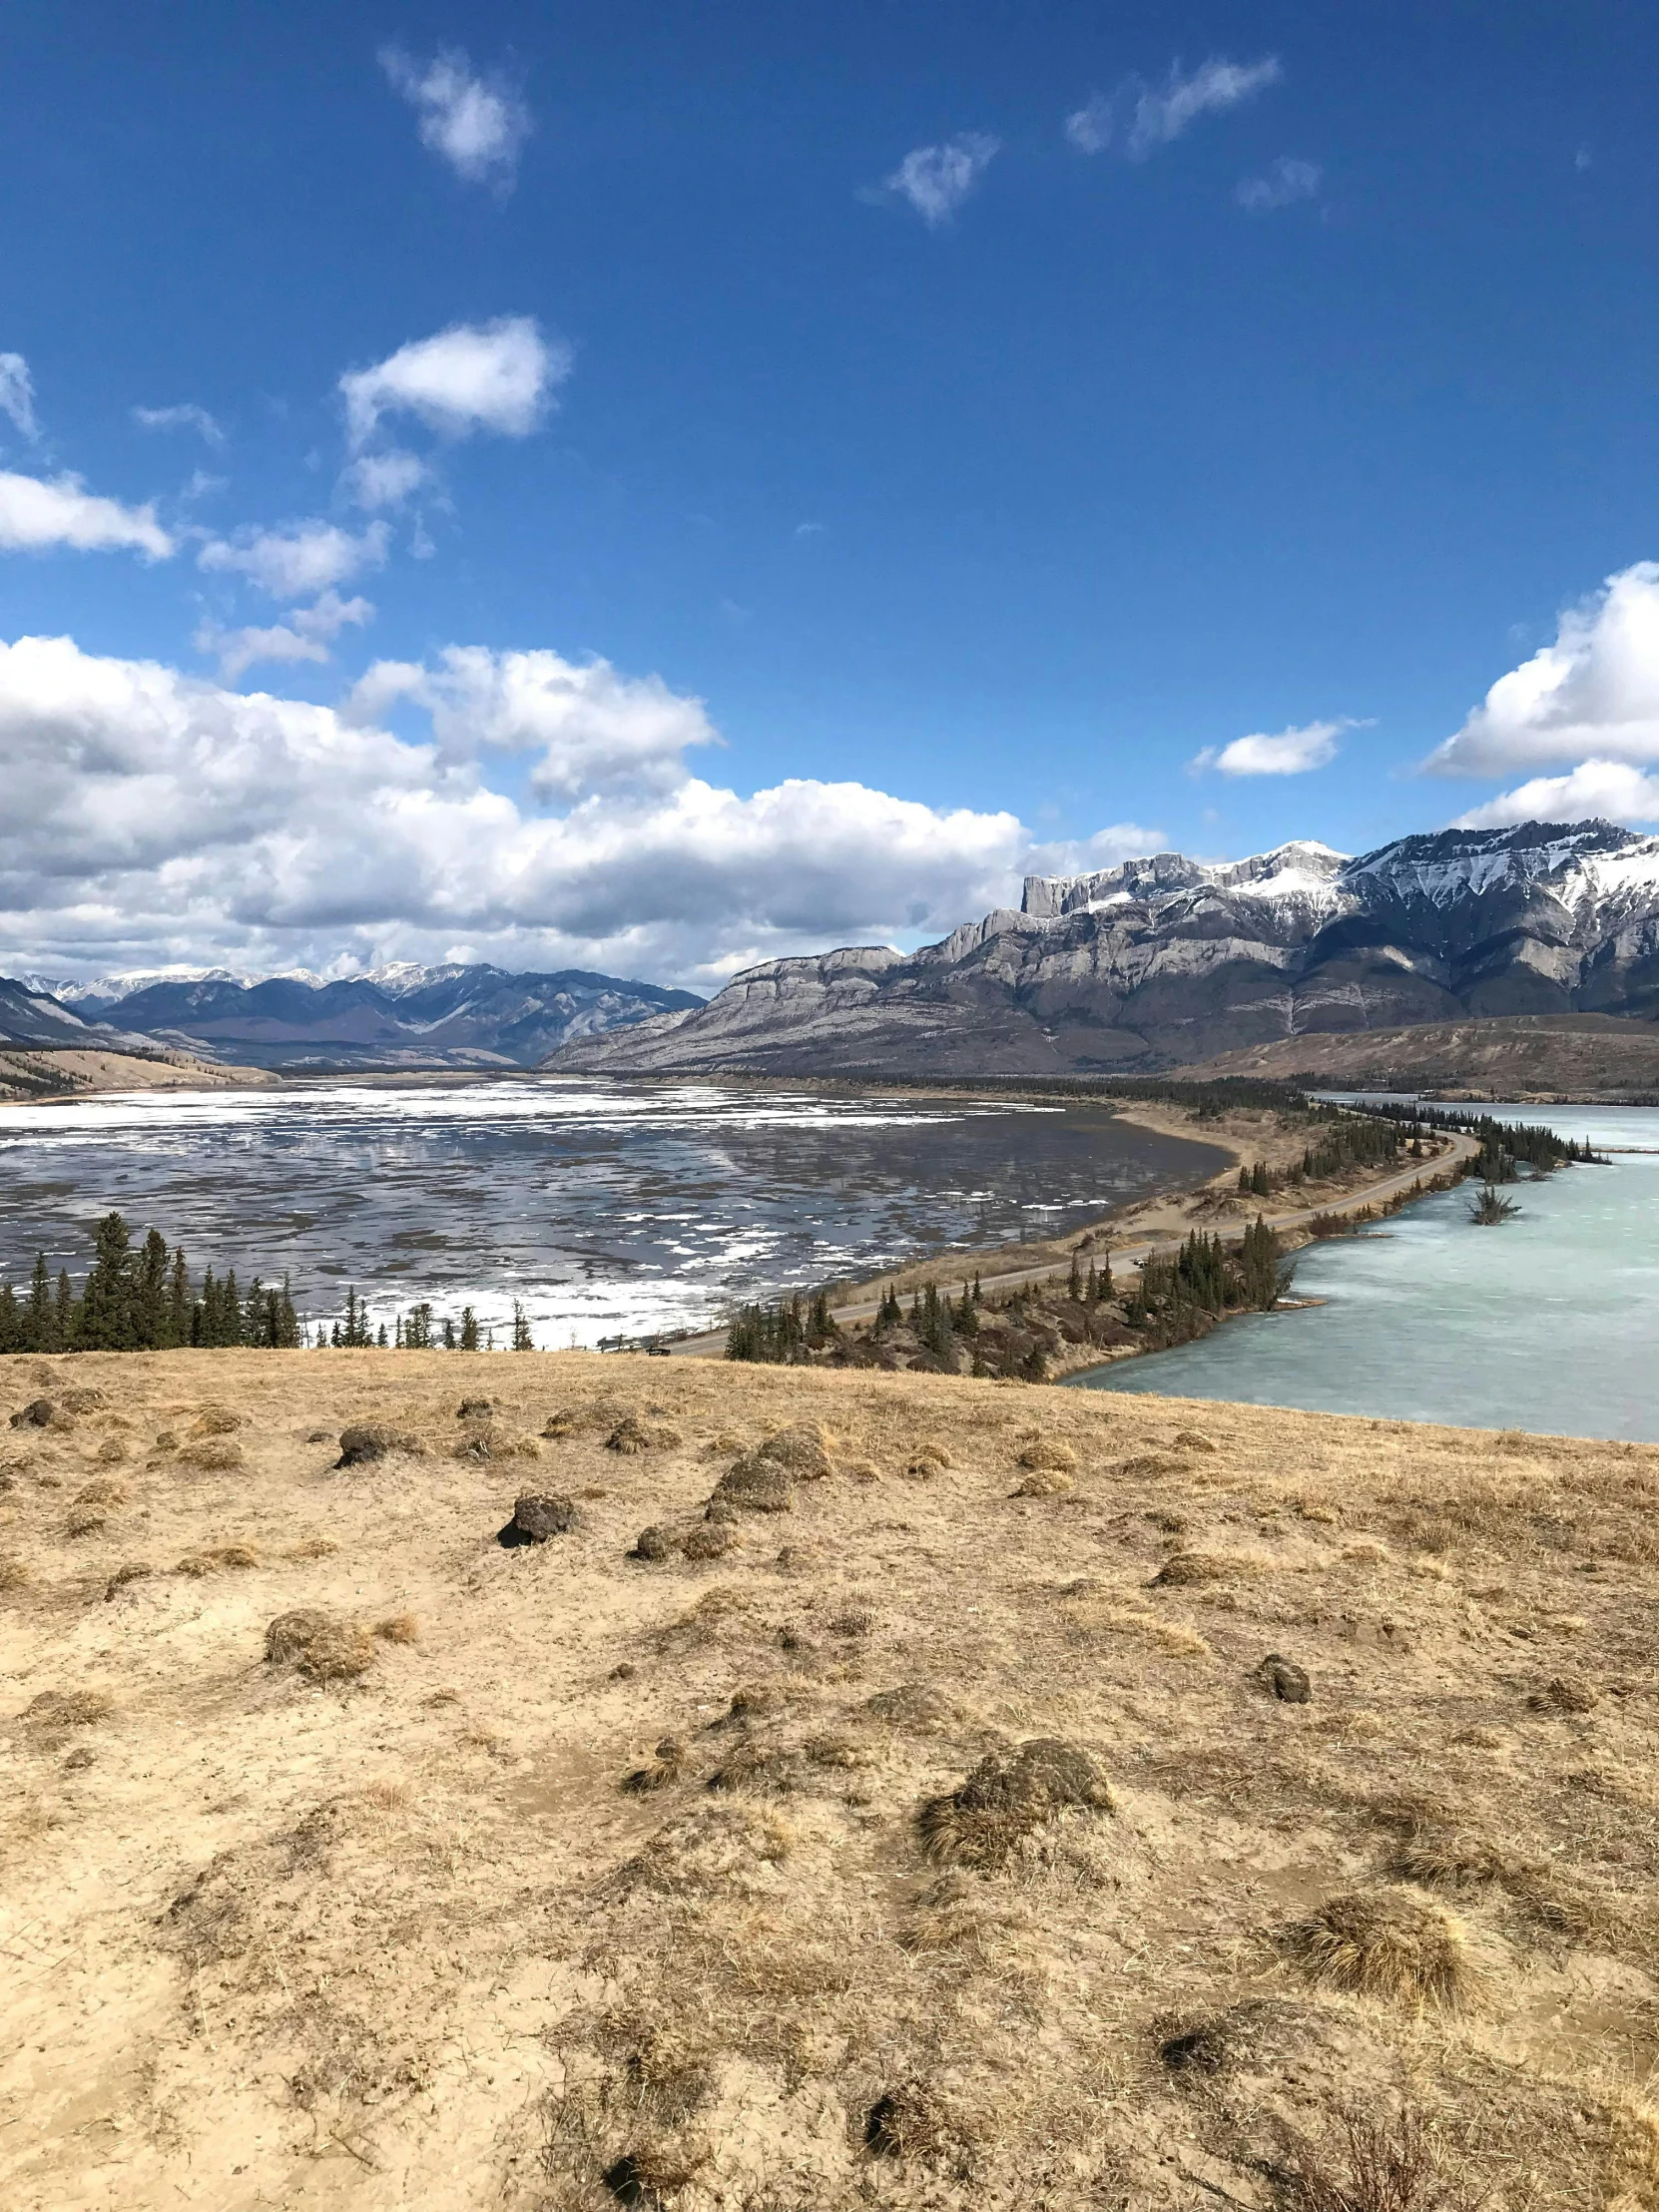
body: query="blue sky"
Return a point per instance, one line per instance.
(989, 409)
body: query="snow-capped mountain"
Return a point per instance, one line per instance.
(1168, 960)
(401, 1016)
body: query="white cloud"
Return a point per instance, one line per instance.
(376, 480)
(1282, 185)
(1292, 753)
(299, 557)
(37, 513)
(1611, 789)
(154, 819)
(1591, 695)
(17, 393)
(589, 727)
(1139, 118)
(497, 375)
(478, 125)
(187, 417)
(305, 636)
(936, 180)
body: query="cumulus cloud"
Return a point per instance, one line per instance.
(306, 635)
(38, 513)
(1613, 789)
(1282, 185)
(1591, 695)
(589, 726)
(376, 480)
(477, 124)
(936, 180)
(17, 394)
(1293, 751)
(187, 417)
(153, 818)
(297, 557)
(497, 375)
(1138, 117)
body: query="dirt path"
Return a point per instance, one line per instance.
(713, 1344)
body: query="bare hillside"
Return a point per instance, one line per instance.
(1586, 1055)
(866, 1789)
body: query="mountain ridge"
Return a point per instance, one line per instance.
(1164, 960)
(455, 1015)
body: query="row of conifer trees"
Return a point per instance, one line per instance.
(142, 1297)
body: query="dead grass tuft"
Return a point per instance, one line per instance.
(135, 1570)
(1194, 1439)
(665, 1766)
(216, 1420)
(220, 1558)
(1387, 1944)
(85, 1520)
(1048, 1454)
(909, 2122)
(1007, 1798)
(1044, 1482)
(104, 1492)
(1366, 2164)
(1192, 1570)
(313, 1547)
(491, 1444)
(214, 1455)
(14, 1573)
(68, 1708)
(398, 1628)
(632, 1435)
(322, 1647)
(1565, 1693)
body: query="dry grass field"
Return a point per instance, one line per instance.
(867, 1790)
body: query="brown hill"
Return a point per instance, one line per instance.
(1585, 1056)
(1003, 1797)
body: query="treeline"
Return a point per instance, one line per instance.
(1349, 1140)
(142, 1297)
(1225, 1094)
(1501, 1141)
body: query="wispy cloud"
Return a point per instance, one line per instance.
(936, 180)
(1281, 185)
(297, 557)
(376, 480)
(1292, 752)
(476, 123)
(17, 393)
(497, 376)
(1136, 118)
(37, 514)
(187, 417)
(304, 636)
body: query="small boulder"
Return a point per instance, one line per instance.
(36, 1415)
(652, 1544)
(710, 1539)
(1285, 1679)
(366, 1441)
(537, 1516)
(755, 1485)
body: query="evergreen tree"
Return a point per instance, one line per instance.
(469, 1329)
(66, 1315)
(178, 1302)
(1244, 1182)
(449, 1334)
(40, 1319)
(150, 1302)
(1074, 1287)
(1259, 1180)
(107, 1319)
(522, 1338)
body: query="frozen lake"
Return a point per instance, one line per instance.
(1549, 1323)
(608, 1209)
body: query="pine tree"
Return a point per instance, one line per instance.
(107, 1322)
(449, 1334)
(40, 1321)
(522, 1338)
(178, 1301)
(149, 1307)
(1074, 1287)
(1244, 1181)
(1259, 1179)
(469, 1329)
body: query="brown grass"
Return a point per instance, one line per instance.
(991, 1813)
(214, 1455)
(1389, 1944)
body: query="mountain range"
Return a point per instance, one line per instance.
(459, 1016)
(1167, 962)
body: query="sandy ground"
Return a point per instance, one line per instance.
(724, 1872)
(33, 1076)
